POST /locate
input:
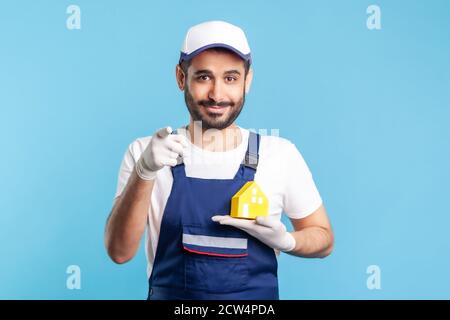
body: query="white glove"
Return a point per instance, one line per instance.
(268, 230)
(163, 150)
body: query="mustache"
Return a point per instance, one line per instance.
(212, 103)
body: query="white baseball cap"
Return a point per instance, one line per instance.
(215, 34)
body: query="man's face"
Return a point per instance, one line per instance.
(215, 88)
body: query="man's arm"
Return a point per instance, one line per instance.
(128, 219)
(312, 238)
(313, 235)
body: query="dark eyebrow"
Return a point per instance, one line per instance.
(232, 72)
(203, 71)
(208, 72)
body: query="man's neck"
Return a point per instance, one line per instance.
(214, 139)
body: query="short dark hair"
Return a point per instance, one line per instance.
(184, 65)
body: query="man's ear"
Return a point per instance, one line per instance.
(181, 77)
(248, 80)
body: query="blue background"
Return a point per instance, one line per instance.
(368, 109)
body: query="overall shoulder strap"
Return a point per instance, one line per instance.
(179, 158)
(252, 154)
(178, 171)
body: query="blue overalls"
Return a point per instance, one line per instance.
(197, 258)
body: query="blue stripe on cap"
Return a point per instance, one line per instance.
(185, 56)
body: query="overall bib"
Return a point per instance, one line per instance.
(197, 258)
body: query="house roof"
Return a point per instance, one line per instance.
(246, 187)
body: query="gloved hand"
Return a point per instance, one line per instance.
(163, 150)
(268, 230)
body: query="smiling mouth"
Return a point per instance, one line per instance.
(215, 109)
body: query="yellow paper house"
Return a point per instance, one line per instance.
(249, 202)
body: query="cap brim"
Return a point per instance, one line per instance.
(184, 56)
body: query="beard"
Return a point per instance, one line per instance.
(212, 120)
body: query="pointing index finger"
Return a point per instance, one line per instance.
(164, 132)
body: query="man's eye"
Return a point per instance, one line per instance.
(230, 79)
(203, 78)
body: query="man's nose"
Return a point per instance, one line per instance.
(216, 92)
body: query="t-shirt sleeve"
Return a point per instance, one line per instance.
(126, 168)
(301, 197)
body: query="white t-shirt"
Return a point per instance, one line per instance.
(282, 174)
